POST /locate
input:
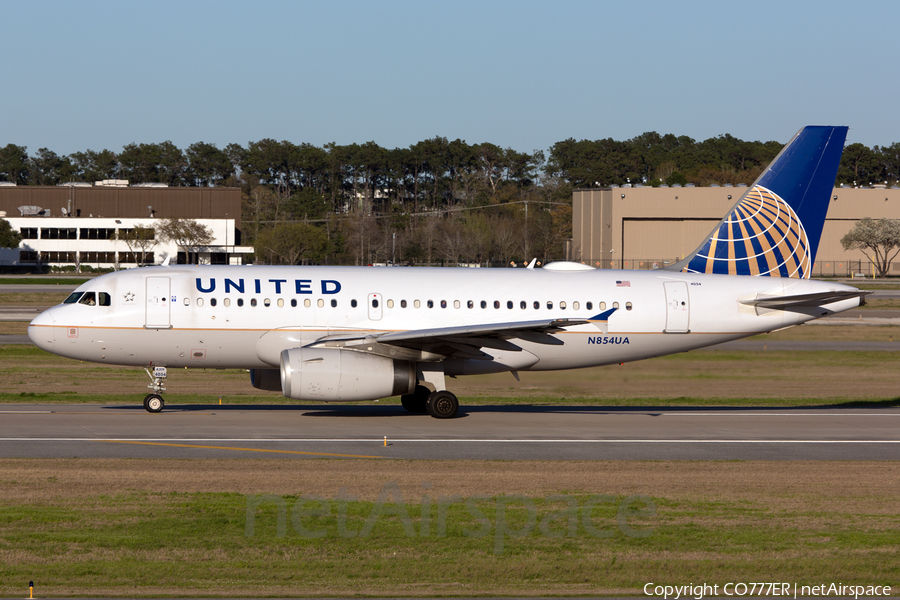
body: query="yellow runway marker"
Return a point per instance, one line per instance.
(239, 449)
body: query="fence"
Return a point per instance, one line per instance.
(821, 268)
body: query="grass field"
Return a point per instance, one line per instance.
(703, 377)
(143, 527)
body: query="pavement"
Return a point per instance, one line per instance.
(480, 432)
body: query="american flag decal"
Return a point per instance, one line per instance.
(623, 284)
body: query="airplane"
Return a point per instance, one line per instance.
(343, 334)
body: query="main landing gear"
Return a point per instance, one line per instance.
(154, 403)
(440, 405)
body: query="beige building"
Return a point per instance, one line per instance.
(647, 228)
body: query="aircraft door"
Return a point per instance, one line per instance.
(158, 303)
(375, 301)
(678, 307)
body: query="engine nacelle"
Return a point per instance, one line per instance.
(330, 375)
(266, 379)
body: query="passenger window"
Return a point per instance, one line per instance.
(562, 306)
(483, 304)
(575, 305)
(523, 305)
(293, 303)
(334, 303)
(267, 302)
(496, 304)
(549, 305)
(603, 306)
(252, 301)
(374, 302)
(187, 301)
(353, 304)
(628, 306)
(589, 305)
(280, 302)
(416, 303)
(227, 301)
(88, 299)
(212, 301)
(456, 304)
(73, 298)
(403, 304)
(443, 304)
(470, 304)
(200, 301)
(509, 304)
(537, 305)
(615, 305)
(240, 301)
(390, 304)
(104, 299)
(431, 304)
(307, 303)
(320, 303)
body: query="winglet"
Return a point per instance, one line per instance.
(532, 263)
(604, 316)
(165, 263)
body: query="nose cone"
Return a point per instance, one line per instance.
(42, 331)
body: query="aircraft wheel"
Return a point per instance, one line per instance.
(153, 403)
(442, 405)
(417, 401)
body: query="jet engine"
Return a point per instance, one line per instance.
(266, 379)
(331, 375)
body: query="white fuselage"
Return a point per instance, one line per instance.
(244, 316)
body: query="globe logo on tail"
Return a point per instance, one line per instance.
(761, 236)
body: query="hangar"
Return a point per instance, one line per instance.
(646, 227)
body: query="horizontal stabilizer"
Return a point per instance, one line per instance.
(801, 300)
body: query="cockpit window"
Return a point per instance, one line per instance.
(73, 298)
(104, 299)
(88, 299)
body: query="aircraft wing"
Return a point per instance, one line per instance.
(803, 300)
(464, 341)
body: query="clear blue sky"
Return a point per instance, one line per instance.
(521, 74)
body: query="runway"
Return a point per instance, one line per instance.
(482, 432)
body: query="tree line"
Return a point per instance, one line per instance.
(436, 200)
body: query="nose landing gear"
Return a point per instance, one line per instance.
(154, 402)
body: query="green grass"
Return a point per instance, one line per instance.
(205, 543)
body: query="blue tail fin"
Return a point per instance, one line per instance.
(775, 227)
